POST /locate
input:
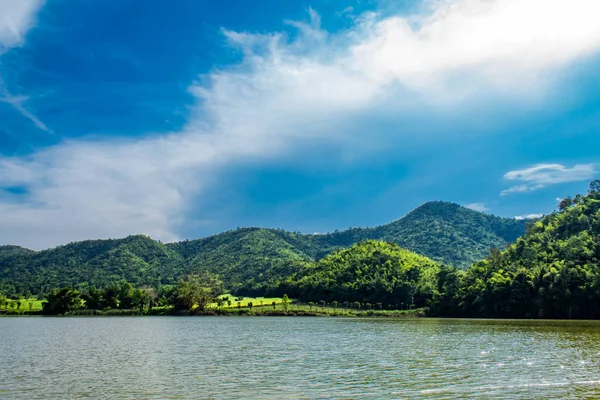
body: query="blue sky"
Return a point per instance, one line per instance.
(184, 119)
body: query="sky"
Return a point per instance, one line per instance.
(183, 119)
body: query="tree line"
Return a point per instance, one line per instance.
(196, 291)
(552, 271)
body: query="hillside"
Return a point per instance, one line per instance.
(553, 271)
(445, 232)
(369, 272)
(251, 259)
(138, 259)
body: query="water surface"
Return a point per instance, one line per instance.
(278, 358)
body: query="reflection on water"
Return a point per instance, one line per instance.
(221, 357)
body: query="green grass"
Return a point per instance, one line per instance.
(11, 307)
(303, 309)
(243, 303)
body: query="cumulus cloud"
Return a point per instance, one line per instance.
(481, 207)
(287, 92)
(529, 216)
(542, 175)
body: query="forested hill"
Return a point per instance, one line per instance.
(553, 271)
(251, 259)
(449, 233)
(371, 272)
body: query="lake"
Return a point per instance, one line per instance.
(296, 357)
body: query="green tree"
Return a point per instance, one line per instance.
(334, 304)
(197, 290)
(62, 301)
(143, 298)
(565, 203)
(285, 302)
(93, 298)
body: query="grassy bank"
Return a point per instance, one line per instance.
(229, 305)
(21, 306)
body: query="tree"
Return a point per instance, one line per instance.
(126, 296)
(310, 305)
(111, 296)
(564, 204)
(62, 301)
(274, 305)
(197, 290)
(250, 304)
(286, 302)
(334, 304)
(93, 298)
(595, 186)
(322, 303)
(142, 299)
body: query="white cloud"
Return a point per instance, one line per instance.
(16, 17)
(542, 175)
(287, 93)
(481, 207)
(529, 216)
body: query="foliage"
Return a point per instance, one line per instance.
(252, 261)
(196, 291)
(62, 301)
(367, 272)
(553, 271)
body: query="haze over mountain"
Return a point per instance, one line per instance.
(251, 259)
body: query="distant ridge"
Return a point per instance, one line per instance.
(247, 258)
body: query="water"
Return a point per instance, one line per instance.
(279, 358)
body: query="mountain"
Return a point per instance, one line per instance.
(553, 271)
(251, 259)
(138, 259)
(447, 233)
(372, 272)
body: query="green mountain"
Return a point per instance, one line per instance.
(553, 271)
(254, 260)
(369, 272)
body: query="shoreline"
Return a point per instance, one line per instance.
(229, 313)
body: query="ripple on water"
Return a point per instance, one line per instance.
(278, 358)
